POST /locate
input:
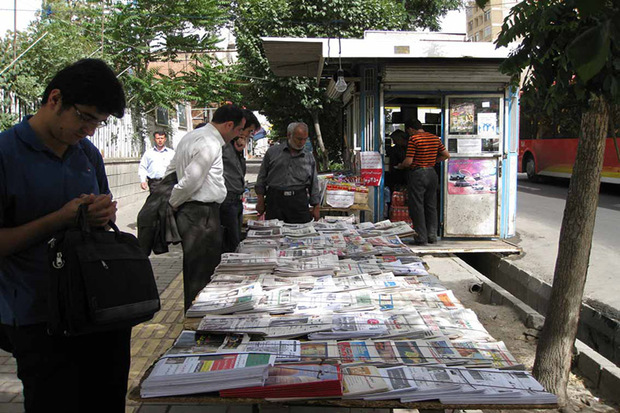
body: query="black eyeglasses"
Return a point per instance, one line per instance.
(90, 120)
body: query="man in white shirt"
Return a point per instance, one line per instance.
(155, 161)
(198, 194)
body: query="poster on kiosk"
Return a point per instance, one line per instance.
(472, 190)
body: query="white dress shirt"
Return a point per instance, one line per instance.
(199, 167)
(154, 163)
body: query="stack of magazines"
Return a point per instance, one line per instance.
(294, 381)
(188, 374)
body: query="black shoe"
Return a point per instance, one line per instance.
(417, 242)
(432, 240)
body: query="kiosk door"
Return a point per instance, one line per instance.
(474, 137)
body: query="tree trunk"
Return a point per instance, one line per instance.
(324, 161)
(554, 350)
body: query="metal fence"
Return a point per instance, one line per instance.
(11, 104)
(116, 140)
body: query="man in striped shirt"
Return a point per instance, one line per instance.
(423, 152)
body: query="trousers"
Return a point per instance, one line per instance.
(288, 205)
(422, 186)
(71, 374)
(231, 219)
(201, 237)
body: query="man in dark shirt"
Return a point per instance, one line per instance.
(423, 152)
(231, 210)
(396, 179)
(48, 169)
(288, 179)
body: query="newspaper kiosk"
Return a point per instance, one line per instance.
(452, 86)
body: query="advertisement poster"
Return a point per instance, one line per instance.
(472, 176)
(468, 145)
(372, 168)
(487, 124)
(339, 199)
(462, 118)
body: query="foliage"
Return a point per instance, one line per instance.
(7, 120)
(63, 36)
(134, 37)
(145, 35)
(284, 100)
(571, 49)
(426, 13)
(212, 81)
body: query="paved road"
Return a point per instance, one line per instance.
(540, 208)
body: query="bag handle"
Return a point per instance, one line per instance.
(82, 221)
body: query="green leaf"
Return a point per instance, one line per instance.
(589, 51)
(589, 7)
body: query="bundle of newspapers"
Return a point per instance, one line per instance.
(337, 309)
(200, 373)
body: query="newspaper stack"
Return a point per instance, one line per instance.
(384, 228)
(192, 342)
(178, 374)
(278, 300)
(295, 381)
(352, 326)
(327, 227)
(299, 230)
(319, 265)
(298, 325)
(335, 219)
(422, 383)
(327, 302)
(264, 233)
(224, 300)
(239, 323)
(236, 263)
(258, 246)
(286, 350)
(267, 223)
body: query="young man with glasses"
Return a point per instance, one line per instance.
(48, 169)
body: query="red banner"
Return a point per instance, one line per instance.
(371, 168)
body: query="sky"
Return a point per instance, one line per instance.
(25, 13)
(454, 22)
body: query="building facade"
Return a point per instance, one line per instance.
(484, 25)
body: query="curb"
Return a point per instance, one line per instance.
(603, 374)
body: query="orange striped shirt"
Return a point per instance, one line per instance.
(424, 148)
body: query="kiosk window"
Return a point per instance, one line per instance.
(474, 116)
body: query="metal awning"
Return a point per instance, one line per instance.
(294, 56)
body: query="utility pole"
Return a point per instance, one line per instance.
(102, 25)
(14, 29)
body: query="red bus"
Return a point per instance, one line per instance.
(556, 156)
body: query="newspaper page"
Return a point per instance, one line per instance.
(358, 381)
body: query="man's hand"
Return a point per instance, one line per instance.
(68, 212)
(101, 210)
(316, 212)
(260, 205)
(144, 185)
